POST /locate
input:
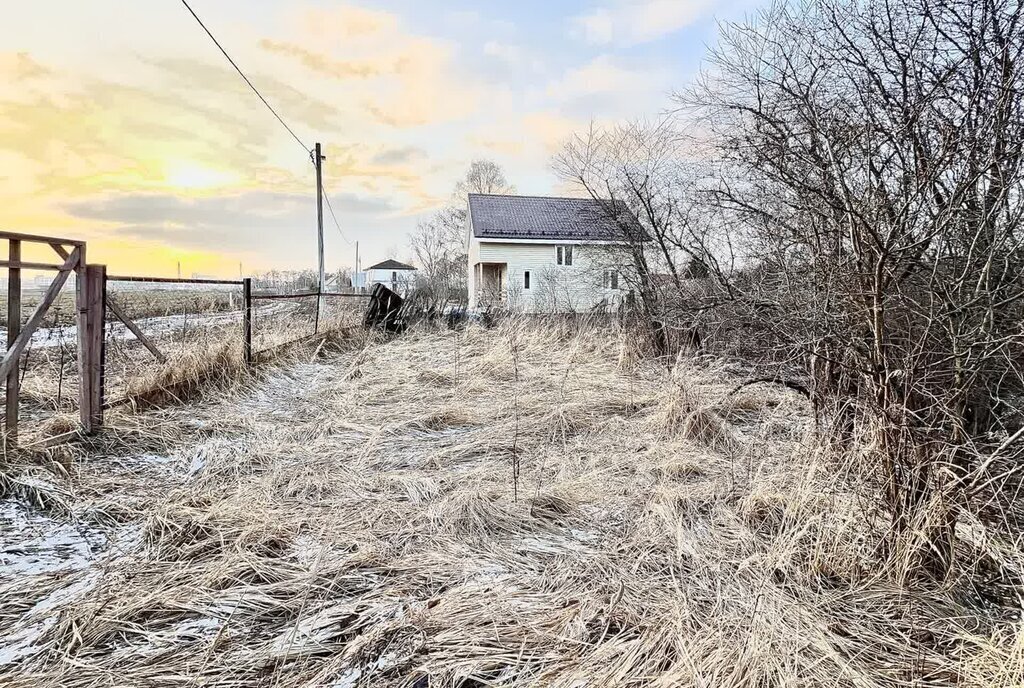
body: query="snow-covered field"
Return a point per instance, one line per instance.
(155, 327)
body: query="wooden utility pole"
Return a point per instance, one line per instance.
(355, 275)
(318, 159)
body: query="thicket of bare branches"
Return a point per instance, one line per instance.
(439, 243)
(855, 195)
(686, 261)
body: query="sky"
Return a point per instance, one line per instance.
(123, 125)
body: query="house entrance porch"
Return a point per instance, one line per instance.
(491, 280)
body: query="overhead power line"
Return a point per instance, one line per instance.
(337, 225)
(242, 74)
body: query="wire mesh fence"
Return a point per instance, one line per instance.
(187, 329)
(192, 331)
(160, 334)
(48, 368)
(281, 319)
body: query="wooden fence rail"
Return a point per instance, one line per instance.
(91, 304)
(89, 307)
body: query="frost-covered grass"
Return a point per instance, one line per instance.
(519, 506)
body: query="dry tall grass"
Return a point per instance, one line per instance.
(351, 521)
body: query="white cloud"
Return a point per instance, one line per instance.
(636, 21)
(513, 55)
(603, 75)
(596, 27)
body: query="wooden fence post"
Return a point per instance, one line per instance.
(92, 340)
(13, 329)
(247, 321)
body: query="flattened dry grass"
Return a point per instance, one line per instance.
(352, 522)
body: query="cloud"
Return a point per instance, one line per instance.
(95, 135)
(282, 224)
(338, 69)
(398, 156)
(496, 144)
(405, 80)
(21, 67)
(253, 208)
(605, 88)
(211, 87)
(465, 21)
(629, 22)
(347, 21)
(513, 56)
(551, 130)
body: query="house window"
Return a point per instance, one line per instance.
(611, 279)
(564, 255)
(526, 280)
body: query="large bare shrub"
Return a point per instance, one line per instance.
(874, 152)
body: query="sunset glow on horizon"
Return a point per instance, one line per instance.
(121, 123)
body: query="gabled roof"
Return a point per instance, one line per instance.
(390, 264)
(548, 218)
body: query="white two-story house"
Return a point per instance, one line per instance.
(396, 276)
(539, 254)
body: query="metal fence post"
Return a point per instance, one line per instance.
(247, 321)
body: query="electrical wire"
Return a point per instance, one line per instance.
(284, 124)
(242, 74)
(337, 225)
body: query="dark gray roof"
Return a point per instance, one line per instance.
(541, 217)
(390, 264)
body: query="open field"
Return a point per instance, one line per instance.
(144, 301)
(517, 506)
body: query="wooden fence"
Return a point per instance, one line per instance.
(92, 301)
(89, 286)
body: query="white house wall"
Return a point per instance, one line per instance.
(553, 287)
(404, 282)
(473, 256)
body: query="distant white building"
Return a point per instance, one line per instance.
(539, 254)
(396, 276)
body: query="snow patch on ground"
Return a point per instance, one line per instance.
(349, 678)
(23, 640)
(39, 552)
(33, 544)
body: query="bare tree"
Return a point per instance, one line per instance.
(652, 170)
(484, 177)
(439, 242)
(874, 152)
